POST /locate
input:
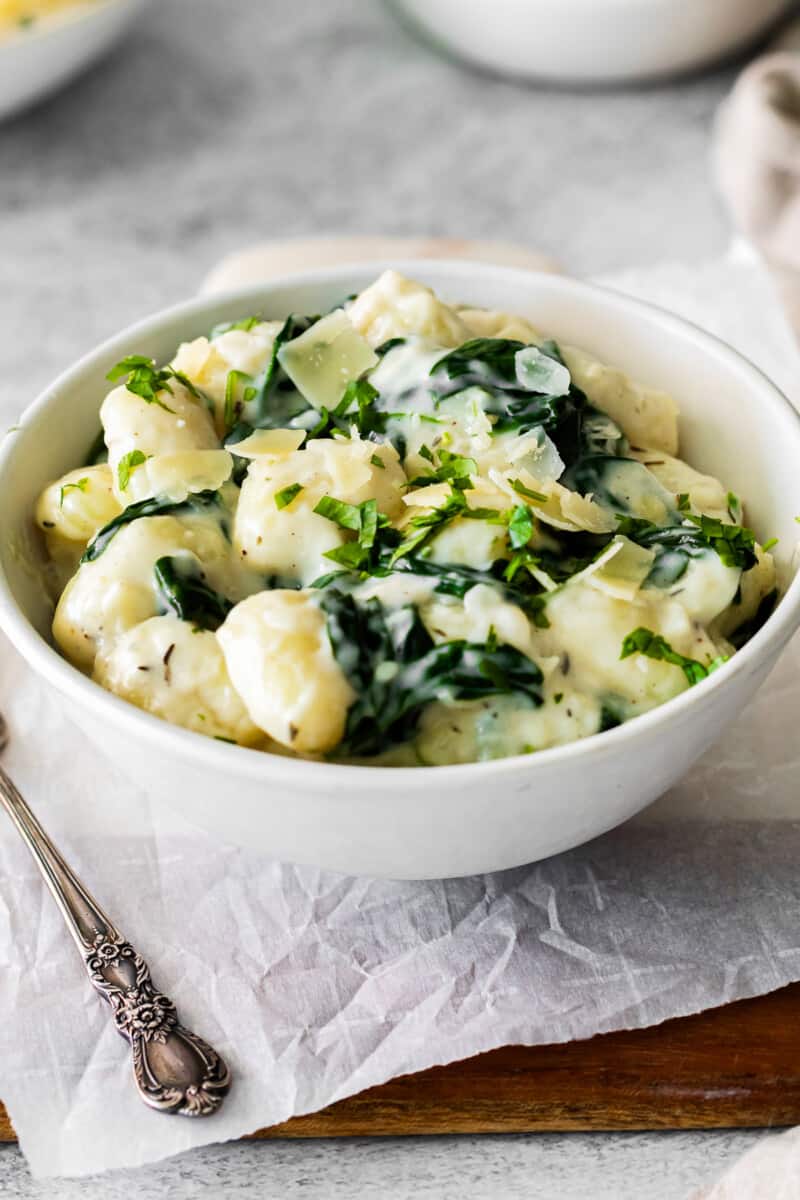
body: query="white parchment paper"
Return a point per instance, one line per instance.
(315, 986)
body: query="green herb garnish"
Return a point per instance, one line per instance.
(143, 378)
(520, 488)
(286, 495)
(245, 323)
(652, 645)
(521, 526)
(233, 407)
(80, 485)
(127, 464)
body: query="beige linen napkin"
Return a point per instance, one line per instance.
(757, 163)
(255, 264)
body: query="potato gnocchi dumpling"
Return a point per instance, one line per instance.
(401, 532)
(176, 671)
(290, 541)
(71, 511)
(279, 656)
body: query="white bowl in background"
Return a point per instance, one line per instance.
(425, 821)
(592, 41)
(37, 60)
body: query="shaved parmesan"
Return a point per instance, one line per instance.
(324, 359)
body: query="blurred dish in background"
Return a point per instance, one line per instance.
(44, 43)
(591, 41)
(23, 14)
(270, 260)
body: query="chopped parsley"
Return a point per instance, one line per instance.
(245, 323)
(286, 495)
(652, 645)
(356, 409)
(676, 544)
(127, 464)
(733, 543)
(734, 507)
(521, 526)
(425, 526)
(362, 519)
(233, 407)
(143, 378)
(520, 488)
(451, 468)
(80, 485)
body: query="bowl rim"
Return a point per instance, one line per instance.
(213, 754)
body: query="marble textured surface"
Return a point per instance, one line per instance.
(221, 122)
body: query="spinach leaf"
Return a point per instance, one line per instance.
(454, 579)
(154, 507)
(492, 365)
(396, 670)
(618, 483)
(482, 361)
(183, 590)
(98, 451)
(748, 628)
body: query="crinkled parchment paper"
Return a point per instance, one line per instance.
(315, 986)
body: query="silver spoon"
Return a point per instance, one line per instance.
(175, 1071)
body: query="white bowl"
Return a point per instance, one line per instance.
(428, 821)
(592, 41)
(37, 60)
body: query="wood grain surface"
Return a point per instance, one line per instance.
(733, 1066)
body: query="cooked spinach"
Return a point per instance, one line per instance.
(491, 364)
(154, 507)
(618, 483)
(396, 669)
(748, 628)
(98, 451)
(183, 590)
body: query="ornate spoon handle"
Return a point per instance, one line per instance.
(175, 1070)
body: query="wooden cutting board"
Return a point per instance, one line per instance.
(733, 1066)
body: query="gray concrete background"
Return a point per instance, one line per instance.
(222, 122)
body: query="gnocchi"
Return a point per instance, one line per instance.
(405, 531)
